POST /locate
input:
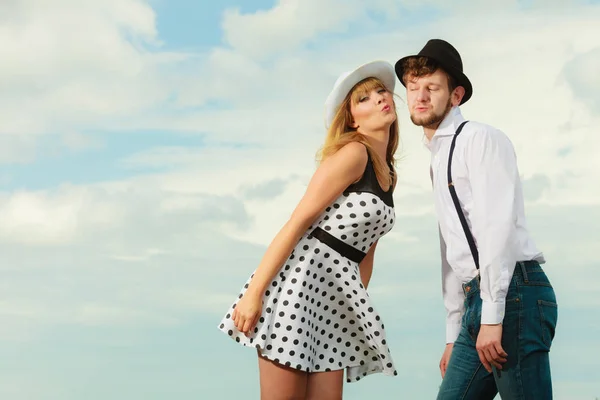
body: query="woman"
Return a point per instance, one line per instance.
(306, 308)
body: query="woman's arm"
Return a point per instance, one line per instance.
(332, 177)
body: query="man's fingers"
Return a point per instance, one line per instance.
(487, 367)
(492, 357)
(496, 364)
(496, 356)
(491, 352)
(484, 361)
(501, 351)
(487, 355)
(481, 356)
(444, 367)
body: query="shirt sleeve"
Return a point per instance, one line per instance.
(454, 298)
(493, 175)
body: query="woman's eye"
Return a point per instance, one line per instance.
(363, 99)
(382, 90)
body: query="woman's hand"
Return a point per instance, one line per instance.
(247, 311)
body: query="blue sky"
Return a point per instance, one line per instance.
(150, 150)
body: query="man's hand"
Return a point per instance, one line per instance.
(489, 348)
(446, 358)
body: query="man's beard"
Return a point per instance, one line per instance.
(434, 120)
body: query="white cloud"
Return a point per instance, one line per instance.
(73, 65)
(52, 218)
(101, 314)
(78, 141)
(288, 24)
(73, 214)
(44, 40)
(17, 149)
(582, 75)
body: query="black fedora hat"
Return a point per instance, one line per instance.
(449, 60)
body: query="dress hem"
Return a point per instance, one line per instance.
(301, 365)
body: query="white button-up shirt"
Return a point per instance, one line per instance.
(486, 179)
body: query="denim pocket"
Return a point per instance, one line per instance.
(548, 318)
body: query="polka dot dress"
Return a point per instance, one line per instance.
(317, 315)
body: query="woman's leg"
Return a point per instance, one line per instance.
(278, 382)
(325, 385)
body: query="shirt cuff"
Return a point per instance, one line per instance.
(492, 313)
(452, 332)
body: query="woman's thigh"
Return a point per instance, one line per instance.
(278, 382)
(325, 385)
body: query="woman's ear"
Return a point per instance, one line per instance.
(353, 125)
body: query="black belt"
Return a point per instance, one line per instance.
(336, 244)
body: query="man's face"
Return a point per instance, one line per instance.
(429, 99)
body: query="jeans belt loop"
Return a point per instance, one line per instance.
(524, 271)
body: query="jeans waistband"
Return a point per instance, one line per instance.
(522, 268)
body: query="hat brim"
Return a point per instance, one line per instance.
(459, 76)
(382, 70)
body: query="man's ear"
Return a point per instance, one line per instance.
(457, 95)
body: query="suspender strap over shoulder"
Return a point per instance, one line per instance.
(461, 215)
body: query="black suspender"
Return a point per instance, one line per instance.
(461, 215)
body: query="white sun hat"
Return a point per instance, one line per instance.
(381, 70)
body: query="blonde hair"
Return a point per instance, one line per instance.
(341, 133)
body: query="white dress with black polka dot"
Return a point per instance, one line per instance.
(317, 316)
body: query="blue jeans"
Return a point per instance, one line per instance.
(528, 330)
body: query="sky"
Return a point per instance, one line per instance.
(151, 149)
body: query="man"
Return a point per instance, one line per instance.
(501, 308)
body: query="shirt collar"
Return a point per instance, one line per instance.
(448, 126)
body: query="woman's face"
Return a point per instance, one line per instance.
(372, 109)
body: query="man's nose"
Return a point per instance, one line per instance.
(422, 95)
